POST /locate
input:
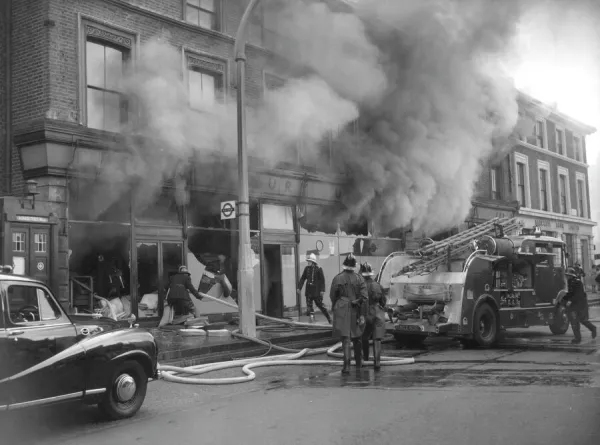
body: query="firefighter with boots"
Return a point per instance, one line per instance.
(349, 301)
(577, 305)
(178, 295)
(375, 319)
(315, 287)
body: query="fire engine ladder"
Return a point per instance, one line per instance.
(442, 252)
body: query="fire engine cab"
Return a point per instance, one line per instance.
(473, 285)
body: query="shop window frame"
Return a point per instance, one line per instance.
(23, 241)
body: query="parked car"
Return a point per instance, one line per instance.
(47, 356)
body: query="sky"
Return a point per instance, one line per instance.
(558, 61)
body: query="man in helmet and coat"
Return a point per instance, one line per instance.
(349, 300)
(178, 296)
(375, 319)
(577, 305)
(315, 287)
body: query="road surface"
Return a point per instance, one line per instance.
(449, 396)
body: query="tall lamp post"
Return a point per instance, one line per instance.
(245, 253)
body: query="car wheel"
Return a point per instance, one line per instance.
(560, 324)
(409, 341)
(126, 391)
(485, 326)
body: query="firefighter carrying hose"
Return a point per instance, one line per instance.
(577, 305)
(178, 295)
(375, 319)
(349, 301)
(315, 287)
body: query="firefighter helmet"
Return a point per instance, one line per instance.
(571, 272)
(312, 257)
(366, 270)
(349, 262)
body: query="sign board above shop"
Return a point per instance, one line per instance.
(228, 209)
(36, 219)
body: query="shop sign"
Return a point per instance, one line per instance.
(37, 219)
(573, 228)
(228, 210)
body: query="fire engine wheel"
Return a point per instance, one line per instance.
(560, 325)
(485, 326)
(410, 341)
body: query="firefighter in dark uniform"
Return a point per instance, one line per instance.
(577, 305)
(315, 287)
(349, 300)
(375, 320)
(178, 296)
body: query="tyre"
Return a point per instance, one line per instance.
(560, 324)
(485, 326)
(410, 341)
(126, 391)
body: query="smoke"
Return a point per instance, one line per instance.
(427, 78)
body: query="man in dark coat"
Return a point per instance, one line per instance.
(577, 305)
(349, 300)
(375, 320)
(315, 287)
(180, 286)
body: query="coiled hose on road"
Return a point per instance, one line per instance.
(189, 374)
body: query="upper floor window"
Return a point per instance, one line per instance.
(543, 189)
(204, 13)
(495, 177)
(577, 149)
(581, 196)
(107, 105)
(560, 145)
(521, 184)
(540, 140)
(563, 193)
(203, 87)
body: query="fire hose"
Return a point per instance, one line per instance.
(189, 374)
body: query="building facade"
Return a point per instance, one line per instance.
(85, 232)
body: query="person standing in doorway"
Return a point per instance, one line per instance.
(577, 305)
(349, 301)
(178, 296)
(315, 287)
(375, 319)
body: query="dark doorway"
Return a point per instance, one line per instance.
(273, 290)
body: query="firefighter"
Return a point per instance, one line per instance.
(178, 295)
(577, 305)
(349, 301)
(375, 320)
(315, 287)
(579, 270)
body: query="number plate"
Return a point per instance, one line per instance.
(408, 327)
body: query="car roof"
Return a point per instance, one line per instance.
(11, 277)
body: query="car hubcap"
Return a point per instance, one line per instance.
(125, 388)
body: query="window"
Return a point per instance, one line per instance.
(539, 134)
(41, 242)
(495, 175)
(577, 149)
(203, 88)
(543, 190)
(563, 194)
(107, 106)
(521, 184)
(30, 304)
(18, 239)
(204, 13)
(581, 196)
(560, 144)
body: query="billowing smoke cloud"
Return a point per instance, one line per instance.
(425, 76)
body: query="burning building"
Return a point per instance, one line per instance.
(122, 114)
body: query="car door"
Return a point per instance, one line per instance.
(46, 363)
(544, 273)
(4, 359)
(559, 269)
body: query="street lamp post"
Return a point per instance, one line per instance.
(245, 254)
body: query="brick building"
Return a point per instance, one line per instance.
(59, 110)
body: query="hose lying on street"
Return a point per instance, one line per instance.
(188, 374)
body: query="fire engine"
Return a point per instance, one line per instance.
(473, 285)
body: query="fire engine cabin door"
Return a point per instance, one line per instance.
(30, 246)
(544, 274)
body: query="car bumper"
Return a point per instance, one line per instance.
(419, 327)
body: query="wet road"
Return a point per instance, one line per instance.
(449, 396)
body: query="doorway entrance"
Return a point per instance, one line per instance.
(279, 278)
(156, 262)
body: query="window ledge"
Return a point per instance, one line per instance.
(551, 153)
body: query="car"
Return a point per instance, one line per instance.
(47, 356)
